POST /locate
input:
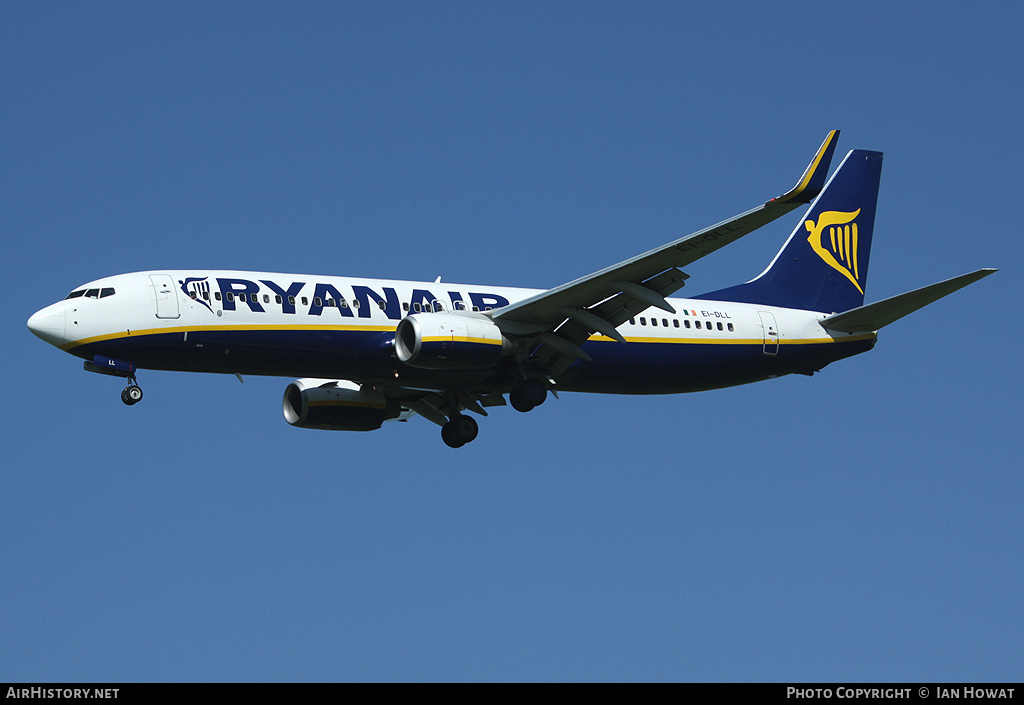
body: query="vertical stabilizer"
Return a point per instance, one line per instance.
(824, 264)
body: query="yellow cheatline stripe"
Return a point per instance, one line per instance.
(460, 339)
(197, 329)
(356, 404)
(738, 341)
(376, 329)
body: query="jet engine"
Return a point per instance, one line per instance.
(336, 405)
(450, 341)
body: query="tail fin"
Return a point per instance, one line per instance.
(824, 264)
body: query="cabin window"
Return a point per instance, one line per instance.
(192, 295)
(206, 295)
(697, 324)
(438, 306)
(266, 298)
(344, 303)
(382, 305)
(330, 303)
(686, 322)
(654, 321)
(230, 296)
(416, 308)
(643, 321)
(476, 308)
(675, 322)
(719, 326)
(355, 304)
(278, 299)
(730, 327)
(305, 301)
(317, 301)
(241, 297)
(632, 321)
(291, 300)
(216, 295)
(460, 305)
(405, 307)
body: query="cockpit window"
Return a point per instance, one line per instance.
(91, 293)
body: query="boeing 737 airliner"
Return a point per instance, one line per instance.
(369, 350)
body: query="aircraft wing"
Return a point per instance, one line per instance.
(599, 302)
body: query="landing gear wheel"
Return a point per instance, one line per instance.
(449, 437)
(131, 395)
(527, 395)
(459, 431)
(467, 428)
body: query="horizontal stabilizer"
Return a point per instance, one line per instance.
(881, 313)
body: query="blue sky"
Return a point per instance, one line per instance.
(863, 524)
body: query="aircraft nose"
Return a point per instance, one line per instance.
(50, 324)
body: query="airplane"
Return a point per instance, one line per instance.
(365, 351)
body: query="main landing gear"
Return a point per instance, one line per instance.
(459, 431)
(527, 395)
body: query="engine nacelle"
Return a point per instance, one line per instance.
(336, 405)
(450, 341)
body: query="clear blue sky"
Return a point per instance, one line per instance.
(863, 524)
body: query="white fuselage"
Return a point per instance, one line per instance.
(301, 325)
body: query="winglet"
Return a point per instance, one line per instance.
(813, 179)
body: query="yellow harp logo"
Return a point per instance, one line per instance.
(834, 238)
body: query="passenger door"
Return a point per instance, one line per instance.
(166, 296)
(771, 333)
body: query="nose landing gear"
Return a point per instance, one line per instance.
(132, 394)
